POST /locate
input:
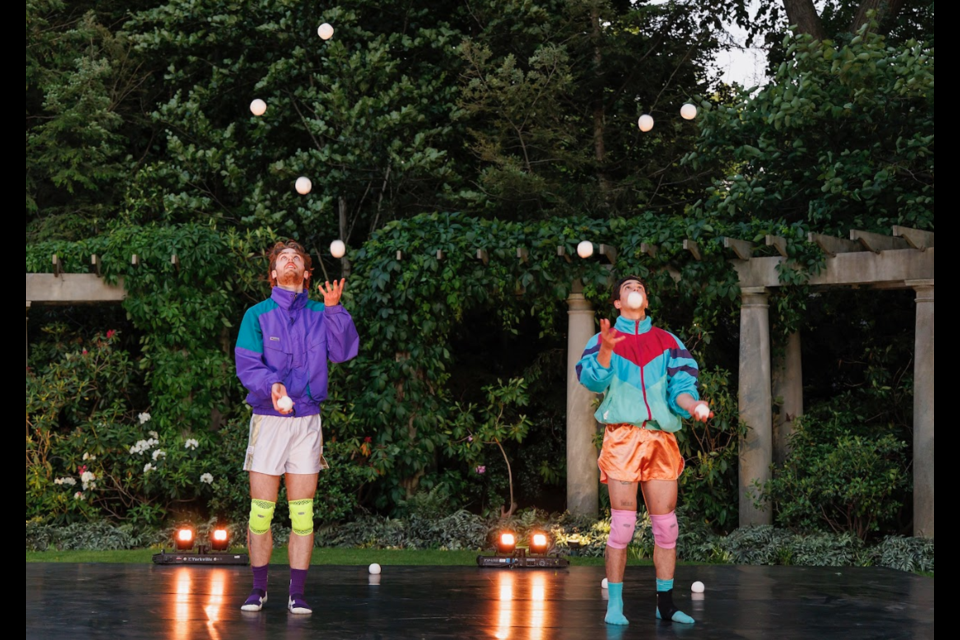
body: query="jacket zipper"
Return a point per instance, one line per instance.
(643, 383)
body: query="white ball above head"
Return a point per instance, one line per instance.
(688, 111)
(338, 248)
(258, 107)
(303, 185)
(585, 249)
(645, 122)
(325, 31)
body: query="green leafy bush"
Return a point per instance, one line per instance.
(839, 476)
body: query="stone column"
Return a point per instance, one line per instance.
(923, 411)
(756, 408)
(788, 388)
(583, 475)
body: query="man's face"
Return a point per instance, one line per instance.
(626, 289)
(289, 269)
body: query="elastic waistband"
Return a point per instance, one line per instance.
(649, 425)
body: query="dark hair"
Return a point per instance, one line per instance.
(615, 293)
(279, 248)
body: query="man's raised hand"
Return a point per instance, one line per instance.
(331, 292)
(608, 340)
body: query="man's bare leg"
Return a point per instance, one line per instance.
(661, 500)
(301, 487)
(623, 497)
(263, 488)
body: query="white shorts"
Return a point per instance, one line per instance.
(285, 445)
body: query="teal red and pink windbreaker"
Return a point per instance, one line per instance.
(647, 371)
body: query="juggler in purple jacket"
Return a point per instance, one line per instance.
(289, 338)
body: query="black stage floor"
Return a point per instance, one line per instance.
(179, 603)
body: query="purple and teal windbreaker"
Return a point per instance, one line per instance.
(289, 338)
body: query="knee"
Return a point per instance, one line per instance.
(622, 525)
(301, 516)
(665, 530)
(261, 514)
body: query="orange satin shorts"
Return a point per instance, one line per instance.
(635, 454)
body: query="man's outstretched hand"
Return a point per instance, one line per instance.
(331, 292)
(609, 338)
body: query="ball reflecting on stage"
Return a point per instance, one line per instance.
(604, 584)
(375, 569)
(697, 587)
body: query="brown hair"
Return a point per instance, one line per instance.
(279, 248)
(615, 293)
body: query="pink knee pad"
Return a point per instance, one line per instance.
(665, 530)
(622, 526)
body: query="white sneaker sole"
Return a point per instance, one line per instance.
(300, 611)
(254, 607)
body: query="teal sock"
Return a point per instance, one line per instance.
(665, 608)
(615, 604)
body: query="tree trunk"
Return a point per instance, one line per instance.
(886, 11)
(344, 261)
(803, 15)
(599, 149)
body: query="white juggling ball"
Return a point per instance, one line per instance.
(688, 111)
(304, 185)
(585, 249)
(697, 587)
(258, 107)
(635, 300)
(375, 569)
(285, 403)
(702, 411)
(645, 123)
(337, 248)
(604, 584)
(325, 31)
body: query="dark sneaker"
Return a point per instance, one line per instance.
(254, 601)
(296, 604)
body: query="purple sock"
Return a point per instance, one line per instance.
(260, 577)
(298, 578)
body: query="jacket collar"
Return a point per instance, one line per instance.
(288, 300)
(633, 327)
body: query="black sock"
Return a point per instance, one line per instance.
(665, 604)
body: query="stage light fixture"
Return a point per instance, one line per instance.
(211, 549)
(539, 543)
(184, 539)
(506, 542)
(219, 540)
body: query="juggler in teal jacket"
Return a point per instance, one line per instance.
(648, 371)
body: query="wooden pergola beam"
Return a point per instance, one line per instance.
(890, 269)
(649, 248)
(693, 248)
(742, 248)
(833, 246)
(878, 242)
(919, 240)
(779, 242)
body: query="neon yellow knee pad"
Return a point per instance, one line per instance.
(301, 516)
(261, 514)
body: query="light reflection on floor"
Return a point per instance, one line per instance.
(512, 611)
